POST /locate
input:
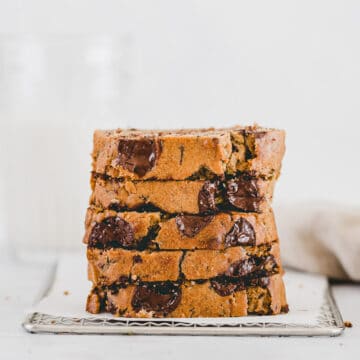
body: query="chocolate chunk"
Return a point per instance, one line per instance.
(243, 193)
(123, 281)
(138, 156)
(242, 233)
(262, 265)
(207, 196)
(137, 259)
(248, 204)
(112, 231)
(258, 281)
(161, 298)
(223, 287)
(190, 225)
(242, 267)
(243, 186)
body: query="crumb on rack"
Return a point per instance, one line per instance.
(66, 293)
(348, 324)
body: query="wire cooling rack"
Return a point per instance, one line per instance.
(328, 323)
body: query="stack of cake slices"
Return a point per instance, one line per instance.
(180, 223)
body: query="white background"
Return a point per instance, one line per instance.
(69, 67)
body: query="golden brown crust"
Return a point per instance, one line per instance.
(197, 300)
(186, 152)
(214, 235)
(107, 267)
(170, 196)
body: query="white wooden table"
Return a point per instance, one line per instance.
(22, 282)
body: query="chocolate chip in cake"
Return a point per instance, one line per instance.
(242, 267)
(112, 231)
(190, 225)
(262, 265)
(223, 287)
(242, 192)
(137, 259)
(207, 196)
(258, 281)
(138, 156)
(161, 298)
(242, 233)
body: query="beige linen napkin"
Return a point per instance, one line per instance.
(322, 238)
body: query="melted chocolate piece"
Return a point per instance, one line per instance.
(262, 265)
(248, 204)
(242, 233)
(223, 287)
(258, 281)
(161, 298)
(112, 231)
(207, 196)
(243, 193)
(190, 225)
(242, 267)
(227, 286)
(138, 156)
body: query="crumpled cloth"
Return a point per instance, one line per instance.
(322, 238)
